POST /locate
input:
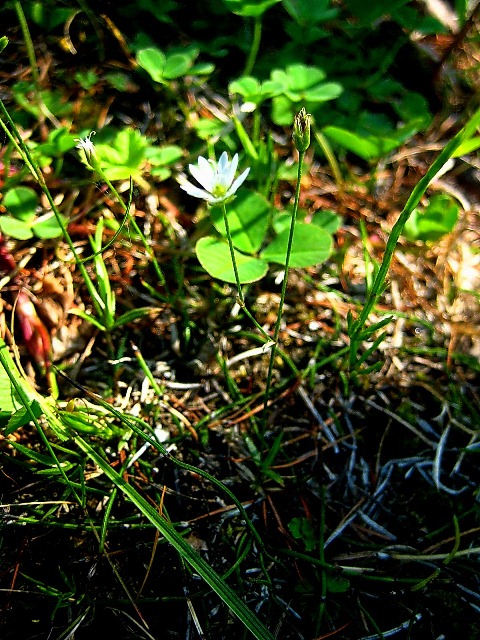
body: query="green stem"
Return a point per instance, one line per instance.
(232, 254)
(321, 555)
(241, 299)
(24, 152)
(245, 138)
(301, 156)
(138, 231)
(257, 36)
(28, 44)
(43, 109)
(378, 285)
(331, 159)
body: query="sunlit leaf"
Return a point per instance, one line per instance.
(21, 202)
(249, 8)
(14, 228)
(214, 256)
(311, 245)
(153, 61)
(248, 220)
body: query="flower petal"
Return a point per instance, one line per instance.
(194, 191)
(223, 163)
(200, 176)
(239, 181)
(231, 171)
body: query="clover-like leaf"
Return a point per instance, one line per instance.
(253, 91)
(176, 66)
(249, 8)
(153, 61)
(48, 227)
(124, 156)
(328, 220)
(311, 245)
(18, 229)
(248, 220)
(214, 256)
(434, 221)
(21, 202)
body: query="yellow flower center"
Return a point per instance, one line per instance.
(219, 190)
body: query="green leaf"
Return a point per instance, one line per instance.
(208, 128)
(368, 11)
(22, 203)
(433, 222)
(10, 402)
(311, 245)
(214, 256)
(225, 592)
(86, 79)
(467, 147)
(48, 17)
(298, 77)
(337, 584)
(132, 315)
(15, 228)
(161, 173)
(119, 81)
(88, 318)
(59, 141)
(22, 417)
(308, 12)
(176, 66)
(301, 529)
(202, 69)
(328, 220)
(249, 8)
(283, 219)
(159, 156)
(48, 227)
(245, 86)
(304, 82)
(3, 43)
(283, 111)
(124, 156)
(375, 136)
(31, 454)
(363, 146)
(153, 60)
(248, 220)
(322, 92)
(253, 91)
(413, 108)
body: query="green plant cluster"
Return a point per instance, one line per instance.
(319, 68)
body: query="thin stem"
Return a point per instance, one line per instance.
(331, 159)
(28, 44)
(257, 36)
(321, 557)
(232, 254)
(44, 111)
(137, 229)
(24, 152)
(241, 299)
(301, 156)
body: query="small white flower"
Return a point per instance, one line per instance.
(217, 179)
(86, 145)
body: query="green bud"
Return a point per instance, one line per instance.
(301, 130)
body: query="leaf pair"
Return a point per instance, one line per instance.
(248, 219)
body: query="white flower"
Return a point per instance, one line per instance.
(217, 179)
(86, 145)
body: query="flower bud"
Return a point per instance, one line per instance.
(301, 130)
